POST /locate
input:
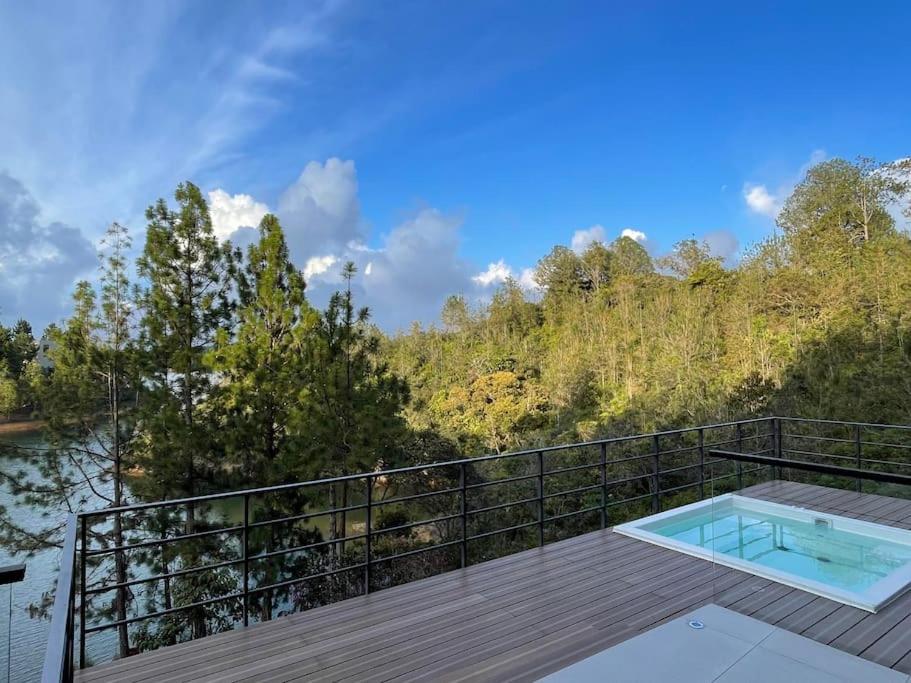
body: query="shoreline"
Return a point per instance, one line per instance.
(21, 426)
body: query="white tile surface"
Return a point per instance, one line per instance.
(730, 648)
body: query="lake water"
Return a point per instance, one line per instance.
(29, 634)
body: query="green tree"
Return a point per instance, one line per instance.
(353, 420)
(9, 396)
(630, 257)
(262, 375)
(260, 365)
(185, 306)
(839, 202)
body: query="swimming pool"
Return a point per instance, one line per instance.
(853, 562)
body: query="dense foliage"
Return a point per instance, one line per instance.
(814, 321)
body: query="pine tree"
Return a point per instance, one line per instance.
(185, 306)
(190, 278)
(353, 420)
(261, 389)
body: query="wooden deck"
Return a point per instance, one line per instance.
(526, 615)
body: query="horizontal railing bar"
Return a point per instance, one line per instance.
(873, 425)
(835, 470)
(416, 551)
(321, 575)
(555, 518)
(811, 437)
(162, 541)
(508, 480)
(161, 577)
(575, 468)
(681, 468)
(886, 462)
(414, 496)
(581, 489)
(626, 480)
(306, 515)
(503, 531)
(303, 548)
(816, 438)
(412, 525)
(630, 500)
(162, 613)
(492, 508)
(672, 489)
(902, 446)
(820, 455)
(106, 512)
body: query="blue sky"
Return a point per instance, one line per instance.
(427, 141)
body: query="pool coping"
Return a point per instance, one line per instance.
(871, 600)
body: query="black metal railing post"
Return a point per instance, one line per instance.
(739, 450)
(656, 468)
(858, 458)
(701, 436)
(463, 513)
(9, 575)
(540, 498)
(603, 463)
(776, 435)
(246, 558)
(368, 540)
(83, 596)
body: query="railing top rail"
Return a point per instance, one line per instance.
(58, 643)
(104, 512)
(822, 468)
(875, 425)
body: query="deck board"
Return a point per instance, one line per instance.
(528, 614)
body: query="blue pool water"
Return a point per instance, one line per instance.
(845, 560)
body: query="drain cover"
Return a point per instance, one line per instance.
(696, 624)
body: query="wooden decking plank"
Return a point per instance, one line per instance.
(489, 605)
(382, 601)
(834, 625)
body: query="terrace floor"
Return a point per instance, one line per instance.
(526, 615)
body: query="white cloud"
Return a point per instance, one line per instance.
(527, 280)
(414, 270)
(722, 243)
(320, 211)
(39, 262)
(232, 212)
(495, 274)
(318, 265)
(635, 235)
(760, 200)
(765, 202)
(583, 238)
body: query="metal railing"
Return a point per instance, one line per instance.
(58, 660)
(619, 476)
